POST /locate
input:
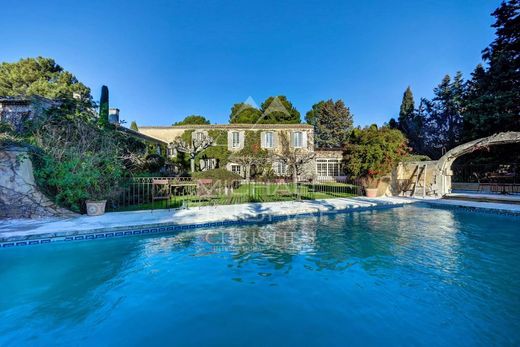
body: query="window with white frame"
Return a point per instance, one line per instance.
(236, 169)
(198, 136)
(328, 167)
(235, 139)
(268, 140)
(297, 139)
(280, 168)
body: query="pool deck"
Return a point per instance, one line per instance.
(25, 232)
(50, 228)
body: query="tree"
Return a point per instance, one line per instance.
(492, 103)
(43, 77)
(295, 159)
(193, 119)
(133, 126)
(279, 110)
(373, 152)
(410, 121)
(244, 113)
(103, 107)
(332, 123)
(443, 116)
(196, 145)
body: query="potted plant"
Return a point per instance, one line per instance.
(371, 153)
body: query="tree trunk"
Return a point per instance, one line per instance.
(192, 164)
(295, 174)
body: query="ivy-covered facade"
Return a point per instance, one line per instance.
(250, 150)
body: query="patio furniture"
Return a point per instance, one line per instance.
(160, 191)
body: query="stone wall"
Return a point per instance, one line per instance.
(19, 196)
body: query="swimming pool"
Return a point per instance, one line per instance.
(403, 276)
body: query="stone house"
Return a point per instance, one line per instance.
(325, 165)
(15, 111)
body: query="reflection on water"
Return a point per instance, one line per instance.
(382, 269)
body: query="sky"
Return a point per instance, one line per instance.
(164, 60)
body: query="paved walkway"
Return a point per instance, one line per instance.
(48, 228)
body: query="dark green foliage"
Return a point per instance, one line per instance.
(279, 110)
(217, 174)
(332, 123)
(40, 76)
(373, 152)
(103, 107)
(252, 157)
(244, 113)
(442, 117)
(493, 97)
(193, 119)
(410, 122)
(154, 163)
(133, 126)
(218, 151)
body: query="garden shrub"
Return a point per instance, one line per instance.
(372, 152)
(217, 174)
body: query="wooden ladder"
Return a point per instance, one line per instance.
(421, 171)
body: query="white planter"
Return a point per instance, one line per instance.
(96, 208)
(371, 192)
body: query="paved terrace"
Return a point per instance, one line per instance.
(17, 230)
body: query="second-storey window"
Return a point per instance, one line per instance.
(235, 139)
(268, 140)
(297, 139)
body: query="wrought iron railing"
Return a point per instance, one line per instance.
(144, 193)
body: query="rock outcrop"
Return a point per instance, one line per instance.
(19, 195)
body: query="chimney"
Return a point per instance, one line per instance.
(113, 116)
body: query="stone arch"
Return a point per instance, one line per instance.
(443, 166)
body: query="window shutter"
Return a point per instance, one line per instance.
(304, 139)
(241, 138)
(275, 139)
(262, 139)
(291, 139)
(229, 140)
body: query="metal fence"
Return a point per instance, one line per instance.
(145, 193)
(497, 172)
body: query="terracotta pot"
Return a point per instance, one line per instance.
(96, 208)
(371, 192)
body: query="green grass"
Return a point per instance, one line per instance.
(254, 192)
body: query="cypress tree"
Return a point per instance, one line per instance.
(407, 105)
(103, 107)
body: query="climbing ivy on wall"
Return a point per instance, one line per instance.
(219, 151)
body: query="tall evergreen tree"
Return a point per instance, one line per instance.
(243, 113)
(407, 106)
(332, 123)
(279, 110)
(443, 116)
(103, 107)
(493, 99)
(410, 122)
(134, 126)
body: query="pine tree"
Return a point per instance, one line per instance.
(133, 126)
(443, 116)
(493, 100)
(332, 123)
(103, 107)
(407, 106)
(409, 122)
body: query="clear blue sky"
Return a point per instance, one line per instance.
(165, 60)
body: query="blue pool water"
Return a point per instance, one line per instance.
(404, 276)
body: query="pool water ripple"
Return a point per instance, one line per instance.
(411, 276)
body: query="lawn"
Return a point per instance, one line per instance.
(247, 193)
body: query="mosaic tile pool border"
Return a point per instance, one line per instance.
(170, 227)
